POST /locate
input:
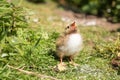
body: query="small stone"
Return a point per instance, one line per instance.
(60, 67)
(118, 54)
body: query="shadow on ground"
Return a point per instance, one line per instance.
(53, 53)
(37, 1)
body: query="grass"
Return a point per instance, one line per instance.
(34, 47)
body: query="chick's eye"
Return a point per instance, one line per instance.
(68, 26)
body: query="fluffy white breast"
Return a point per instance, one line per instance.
(74, 44)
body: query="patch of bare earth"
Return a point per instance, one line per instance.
(86, 20)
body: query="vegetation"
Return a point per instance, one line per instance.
(29, 45)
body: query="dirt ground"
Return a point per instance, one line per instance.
(89, 20)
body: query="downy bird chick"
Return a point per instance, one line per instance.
(69, 44)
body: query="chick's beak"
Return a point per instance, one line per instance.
(74, 28)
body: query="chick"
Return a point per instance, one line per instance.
(69, 44)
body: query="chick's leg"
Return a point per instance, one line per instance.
(61, 60)
(61, 65)
(72, 61)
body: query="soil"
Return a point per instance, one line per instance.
(87, 20)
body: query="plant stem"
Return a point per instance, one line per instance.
(33, 73)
